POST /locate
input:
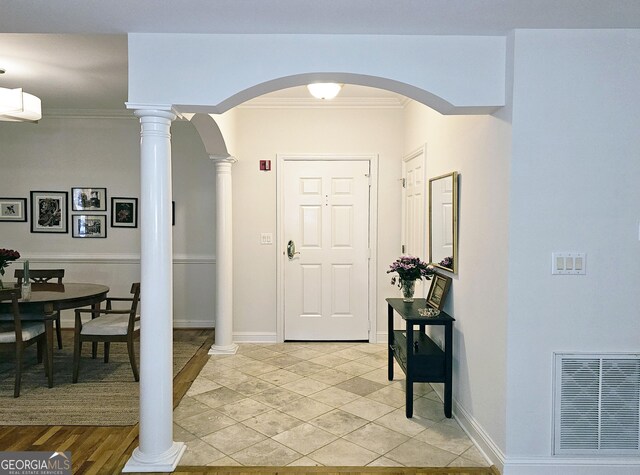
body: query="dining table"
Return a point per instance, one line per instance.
(48, 299)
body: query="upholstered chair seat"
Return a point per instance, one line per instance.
(30, 330)
(109, 325)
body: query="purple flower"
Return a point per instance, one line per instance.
(409, 268)
(447, 262)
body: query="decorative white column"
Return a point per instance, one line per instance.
(224, 259)
(157, 451)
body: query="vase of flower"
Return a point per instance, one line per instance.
(409, 269)
(6, 256)
(408, 287)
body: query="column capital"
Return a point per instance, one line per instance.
(223, 159)
(164, 111)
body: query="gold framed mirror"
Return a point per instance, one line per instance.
(443, 222)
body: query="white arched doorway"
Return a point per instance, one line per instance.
(431, 70)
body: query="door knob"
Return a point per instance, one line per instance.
(291, 250)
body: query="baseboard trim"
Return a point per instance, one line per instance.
(184, 323)
(68, 322)
(255, 337)
(571, 466)
(479, 436)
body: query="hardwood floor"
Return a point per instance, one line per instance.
(105, 450)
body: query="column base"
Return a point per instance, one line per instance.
(231, 349)
(166, 462)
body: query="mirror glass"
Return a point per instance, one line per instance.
(443, 222)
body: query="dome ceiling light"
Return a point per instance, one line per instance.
(324, 90)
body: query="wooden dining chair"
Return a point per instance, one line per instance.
(109, 325)
(42, 277)
(18, 335)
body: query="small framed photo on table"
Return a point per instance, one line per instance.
(13, 209)
(438, 291)
(124, 212)
(89, 199)
(89, 226)
(49, 212)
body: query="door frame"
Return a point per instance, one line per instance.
(373, 235)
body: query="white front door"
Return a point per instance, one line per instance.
(326, 218)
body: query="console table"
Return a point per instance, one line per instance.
(419, 357)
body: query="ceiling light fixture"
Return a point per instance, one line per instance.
(324, 90)
(19, 106)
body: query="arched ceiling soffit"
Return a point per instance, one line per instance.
(210, 135)
(420, 95)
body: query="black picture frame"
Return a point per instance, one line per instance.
(90, 226)
(49, 212)
(13, 210)
(438, 291)
(88, 198)
(124, 212)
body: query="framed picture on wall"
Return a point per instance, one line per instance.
(89, 226)
(13, 209)
(89, 199)
(124, 212)
(438, 291)
(49, 212)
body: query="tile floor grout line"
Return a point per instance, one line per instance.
(371, 363)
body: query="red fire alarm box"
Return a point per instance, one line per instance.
(265, 165)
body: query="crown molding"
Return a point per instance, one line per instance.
(88, 114)
(337, 103)
(257, 103)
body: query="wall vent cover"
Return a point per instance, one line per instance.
(597, 404)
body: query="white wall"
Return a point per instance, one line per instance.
(571, 184)
(214, 73)
(263, 133)
(478, 148)
(574, 187)
(60, 153)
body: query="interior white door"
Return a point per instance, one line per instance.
(414, 215)
(325, 217)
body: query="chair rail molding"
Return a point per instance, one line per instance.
(114, 258)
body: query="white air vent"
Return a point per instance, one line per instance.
(597, 404)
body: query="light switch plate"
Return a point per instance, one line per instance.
(266, 238)
(568, 263)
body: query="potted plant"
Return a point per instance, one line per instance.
(6, 256)
(409, 269)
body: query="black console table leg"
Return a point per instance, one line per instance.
(410, 362)
(448, 363)
(409, 401)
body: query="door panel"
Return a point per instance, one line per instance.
(415, 210)
(326, 214)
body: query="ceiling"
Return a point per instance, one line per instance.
(73, 53)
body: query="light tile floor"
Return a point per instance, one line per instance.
(311, 404)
